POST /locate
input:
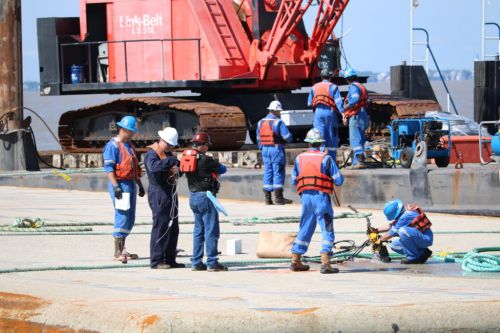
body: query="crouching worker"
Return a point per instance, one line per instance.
(410, 223)
(163, 172)
(315, 174)
(202, 172)
(124, 173)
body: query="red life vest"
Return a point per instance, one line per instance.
(421, 222)
(362, 102)
(128, 168)
(322, 95)
(189, 160)
(267, 135)
(311, 177)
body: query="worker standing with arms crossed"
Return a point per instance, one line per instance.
(327, 103)
(162, 168)
(124, 173)
(314, 174)
(202, 172)
(356, 117)
(272, 136)
(413, 227)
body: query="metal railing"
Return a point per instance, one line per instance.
(497, 38)
(90, 62)
(449, 98)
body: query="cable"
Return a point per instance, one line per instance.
(174, 208)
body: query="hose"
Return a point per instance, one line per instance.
(476, 261)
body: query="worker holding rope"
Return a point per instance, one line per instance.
(413, 227)
(315, 174)
(124, 173)
(162, 168)
(202, 172)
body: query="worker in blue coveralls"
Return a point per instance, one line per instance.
(272, 136)
(413, 227)
(356, 117)
(327, 104)
(124, 173)
(162, 168)
(314, 174)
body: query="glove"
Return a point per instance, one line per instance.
(141, 191)
(118, 191)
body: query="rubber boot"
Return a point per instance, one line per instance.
(297, 265)
(131, 256)
(280, 200)
(269, 197)
(326, 267)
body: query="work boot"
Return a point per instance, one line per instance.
(297, 265)
(217, 268)
(131, 256)
(118, 249)
(280, 200)
(176, 265)
(162, 266)
(326, 267)
(199, 267)
(425, 256)
(269, 198)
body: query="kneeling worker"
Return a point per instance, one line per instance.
(163, 172)
(410, 223)
(315, 173)
(202, 172)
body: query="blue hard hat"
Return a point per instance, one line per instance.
(393, 209)
(350, 73)
(128, 123)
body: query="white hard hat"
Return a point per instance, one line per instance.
(275, 106)
(170, 135)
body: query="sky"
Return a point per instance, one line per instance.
(376, 32)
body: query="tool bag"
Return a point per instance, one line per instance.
(272, 244)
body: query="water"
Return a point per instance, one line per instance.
(51, 107)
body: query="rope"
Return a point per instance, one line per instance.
(72, 231)
(231, 263)
(476, 261)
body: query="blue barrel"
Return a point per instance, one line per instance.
(77, 74)
(495, 144)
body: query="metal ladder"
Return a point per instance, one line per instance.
(225, 32)
(449, 98)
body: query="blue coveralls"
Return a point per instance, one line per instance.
(357, 124)
(163, 201)
(274, 157)
(326, 119)
(124, 219)
(316, 208)
(411, 241)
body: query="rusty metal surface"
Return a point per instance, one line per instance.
(384, 108)
(11, 85)
(225, 124)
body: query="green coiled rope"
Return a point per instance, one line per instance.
(477, 261)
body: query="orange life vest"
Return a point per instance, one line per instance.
(362, 102)
(267, 135)
(322, 95)
(189, 160)
(421, 222)
(128, 168)
(311, 177)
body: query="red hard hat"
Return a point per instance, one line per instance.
(201, 138)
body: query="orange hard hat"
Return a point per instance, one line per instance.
(201, 138)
